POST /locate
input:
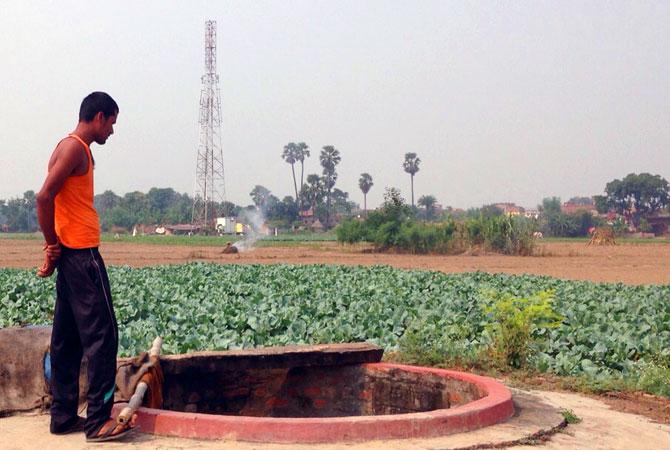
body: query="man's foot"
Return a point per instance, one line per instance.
(76, 425)
(111, 431)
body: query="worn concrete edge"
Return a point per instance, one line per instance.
(272, 357)
(495, 407)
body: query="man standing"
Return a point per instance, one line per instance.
(84, 321)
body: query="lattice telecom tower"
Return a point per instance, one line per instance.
(210, 189)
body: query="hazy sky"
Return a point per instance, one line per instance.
(502, 101)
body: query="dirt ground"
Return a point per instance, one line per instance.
(628, 263)
(646, 263)
(651, 406)
(600, 428)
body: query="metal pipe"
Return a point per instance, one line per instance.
(136, 400)
(134, 403)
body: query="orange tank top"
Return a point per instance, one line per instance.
(76, 220)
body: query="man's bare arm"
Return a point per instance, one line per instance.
(64, 163)
(68, 158)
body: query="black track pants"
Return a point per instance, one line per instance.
(84, 324)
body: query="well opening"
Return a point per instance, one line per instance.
(313, 391)
(322, 393)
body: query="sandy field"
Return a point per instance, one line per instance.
(646, 263)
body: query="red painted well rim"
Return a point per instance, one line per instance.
(493, 408)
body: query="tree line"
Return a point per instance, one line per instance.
(395, 226)
(316, 196)
(166, 206)
(634, 198)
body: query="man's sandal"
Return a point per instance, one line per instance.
(76, 426)
(113, 432)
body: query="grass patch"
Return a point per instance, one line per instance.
(22, 236)
(648, 377)
(171, 240)
(286, 239)
(215, 241)
(619, 240)
(570, 416)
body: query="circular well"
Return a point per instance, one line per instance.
(329, 404)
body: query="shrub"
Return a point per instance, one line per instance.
(474, 231)
(519, 238)
(653, 373)
(512, 321)
(389, 229)
(418, 238)
(496, 232)
(503, 234)
(350, 231)
(387, 235)
(393, 227)
(447, 237)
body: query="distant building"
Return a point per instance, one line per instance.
(511, 209)
(310, 221)
(307, 216)
(587, 205)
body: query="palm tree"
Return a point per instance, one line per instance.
(313, 190)
(428, 202)
(260, 194)
(301, 152)
(411, 166)
(289, 155)
(329, 158)
(365, 183)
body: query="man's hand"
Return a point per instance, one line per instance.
(51, 256)
(47, 268)
(52, 251)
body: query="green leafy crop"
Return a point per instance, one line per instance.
(604, 330)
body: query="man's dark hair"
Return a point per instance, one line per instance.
(96, 102)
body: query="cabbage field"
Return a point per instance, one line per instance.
(604, 330)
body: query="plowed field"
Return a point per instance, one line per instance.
(647, 263)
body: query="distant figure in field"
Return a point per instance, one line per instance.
(602, 236)
(230, 248)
